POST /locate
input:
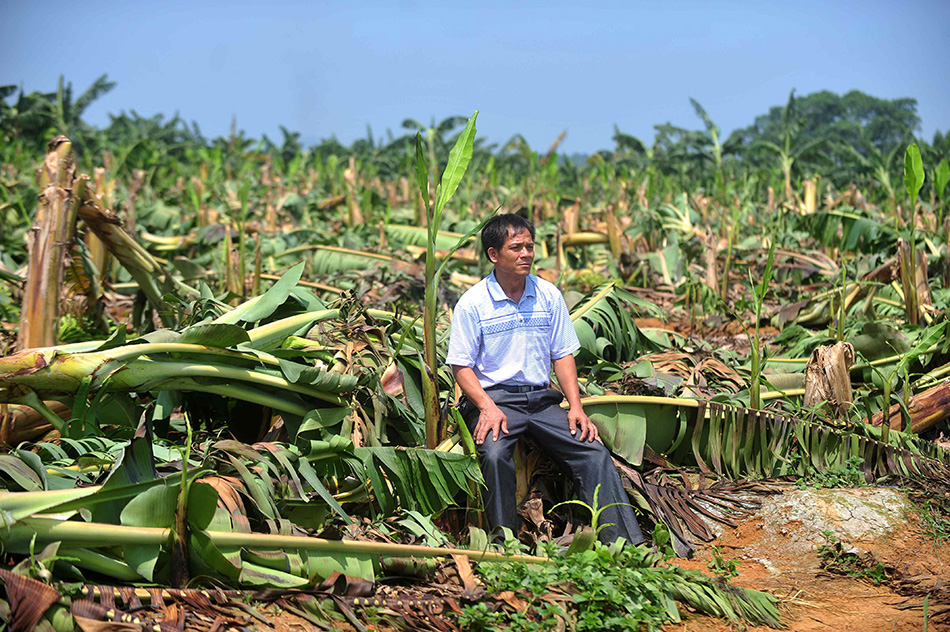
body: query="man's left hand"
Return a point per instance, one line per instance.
(576, 418)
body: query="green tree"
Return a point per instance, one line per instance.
(629, 151)
(793, 143)
(824, 120)
(876, 165)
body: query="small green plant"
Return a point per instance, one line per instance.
(459, 159)
(594, 509)
(913, 181)
(935, 521)
(835, 559)
(757, 358)
(663, 541)
(721, 566)
(926, 612)
(850, 475)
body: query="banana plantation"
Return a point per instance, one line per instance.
(224, 400)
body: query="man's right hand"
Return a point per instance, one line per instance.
(490, 420)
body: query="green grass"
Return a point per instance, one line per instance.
(935, 520)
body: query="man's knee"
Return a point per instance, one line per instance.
(493, 454)
(594, 452)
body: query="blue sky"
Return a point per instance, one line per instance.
(325, 69)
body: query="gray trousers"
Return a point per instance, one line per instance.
(538, 415)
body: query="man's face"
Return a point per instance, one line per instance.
(516, 255)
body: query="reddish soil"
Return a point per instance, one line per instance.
(813, 599)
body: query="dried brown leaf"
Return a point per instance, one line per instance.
(512, 600)
(466, 574)
(29, 599)
(93, 625)
(393, 381)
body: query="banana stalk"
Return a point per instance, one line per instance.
(92, 535)
(926, 410)
(22, 423)
(151, 276)
(48, 244)
(584, 239)
(51, 373)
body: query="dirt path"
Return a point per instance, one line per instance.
(776, 551)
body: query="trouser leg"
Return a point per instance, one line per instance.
(588, 463)
(498, 467)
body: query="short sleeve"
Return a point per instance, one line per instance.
(465, 336)
(563, 335)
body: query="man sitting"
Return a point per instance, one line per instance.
(507, 330)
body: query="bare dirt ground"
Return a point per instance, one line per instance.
(776, 551)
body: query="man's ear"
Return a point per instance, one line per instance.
(492, 255)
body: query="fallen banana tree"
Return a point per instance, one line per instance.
(924, 410)
(199, 513)
(728, 443)
(215, 501)
(741, 443)
(209, 357)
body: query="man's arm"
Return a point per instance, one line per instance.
(490, 418)
(566, 372)
(464, 340)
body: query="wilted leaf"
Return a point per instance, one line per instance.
(20, 473)
(393, 380)
(330, 381)
(275, 296)
(29, 599)
(214, 335)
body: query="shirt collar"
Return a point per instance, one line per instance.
(498, 294)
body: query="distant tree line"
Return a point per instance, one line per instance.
(854, 138)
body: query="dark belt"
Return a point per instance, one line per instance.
(517, 388)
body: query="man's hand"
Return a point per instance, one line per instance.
(490, 419)
(566, 372)
(577, 418)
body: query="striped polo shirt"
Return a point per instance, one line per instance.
(508, 342)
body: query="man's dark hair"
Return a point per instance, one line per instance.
(495, 231)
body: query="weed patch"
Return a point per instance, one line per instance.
(836, 559)
(606, 588)
(721, 566)
(935, 520)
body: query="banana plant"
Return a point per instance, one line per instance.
(793, 145)
(913, 181)
(459, 159)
